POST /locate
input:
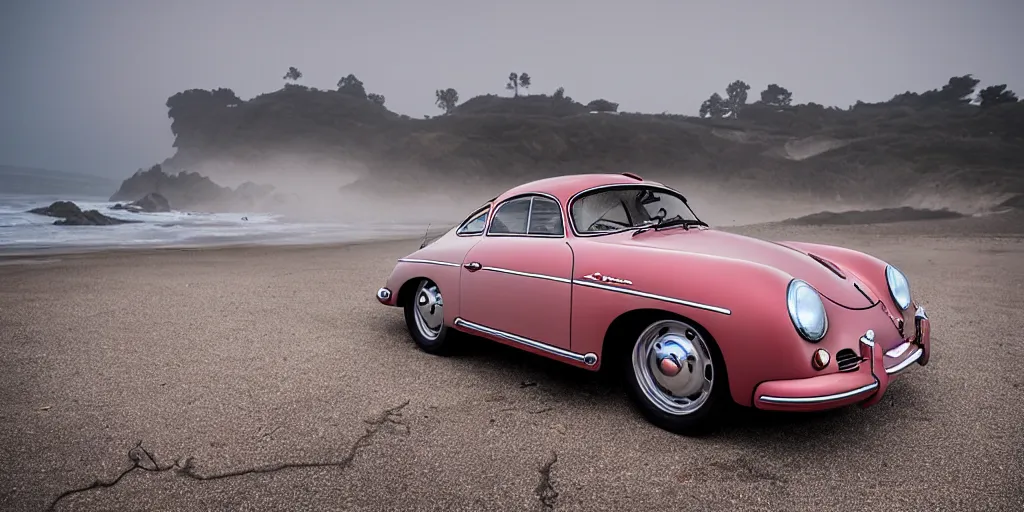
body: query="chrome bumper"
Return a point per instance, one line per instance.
(876, 357)
(866, 386)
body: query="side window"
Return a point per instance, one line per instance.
(510, 218)
(473, 226)
(545, 218)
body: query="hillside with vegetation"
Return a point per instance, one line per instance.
(952, 138)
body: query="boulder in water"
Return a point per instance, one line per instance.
(71, 215)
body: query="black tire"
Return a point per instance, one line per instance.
(438, 340)
(707, 412)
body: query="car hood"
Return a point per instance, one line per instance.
(728, 245)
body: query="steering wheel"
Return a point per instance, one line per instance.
(660, 216)
(612, 224)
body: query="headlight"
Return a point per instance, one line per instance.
(899, 287)
(806, 310)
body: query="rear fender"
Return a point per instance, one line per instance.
(441, 262)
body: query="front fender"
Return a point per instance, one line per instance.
(866, 268)
(741, 304)
(870, 272)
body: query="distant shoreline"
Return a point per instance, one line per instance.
(214, 246)
(217, 247)
(1007, 225)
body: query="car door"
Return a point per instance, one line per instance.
(518, 279)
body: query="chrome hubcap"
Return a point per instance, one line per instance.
(429, 310)
(673, 366)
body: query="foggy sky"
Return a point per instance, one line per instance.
(85, 82)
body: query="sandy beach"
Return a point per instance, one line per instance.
(264, 378)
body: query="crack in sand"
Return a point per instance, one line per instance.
(545, 489)
(143, 460)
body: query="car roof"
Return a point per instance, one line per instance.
(564, 187)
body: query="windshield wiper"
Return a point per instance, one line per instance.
(643, 227)
(686, 223)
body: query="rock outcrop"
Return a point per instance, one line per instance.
(71, 215)
(150, 203)
(154, 188)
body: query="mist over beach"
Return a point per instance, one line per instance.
(315, 146)
(199, 202)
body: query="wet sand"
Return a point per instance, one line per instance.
(271, 379)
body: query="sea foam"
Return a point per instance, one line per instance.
(22, 231)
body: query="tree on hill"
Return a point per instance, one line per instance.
(293, 74)
(776, 96)
(517, 81)
(996, 95)
(352, 85)
(559, 95)
(376, 98)
(223, 96)
(713, 107)
(447, 99)
(602, 105)
(524, 81)
(958, 91)
(186, 109)
(736, 93)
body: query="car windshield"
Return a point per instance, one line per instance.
(629, 207)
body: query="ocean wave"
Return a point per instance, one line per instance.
(20, 230)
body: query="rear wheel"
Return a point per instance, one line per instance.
(676, 376)
(424, 316)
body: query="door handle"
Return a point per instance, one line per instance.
(472, 266)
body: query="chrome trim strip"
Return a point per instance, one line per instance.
(429, 262)
(589, 359)
(646, 295)
(912, 358)
(527, 274)
(600, 286)
(529, 213)
(525, 235)
(818, 399)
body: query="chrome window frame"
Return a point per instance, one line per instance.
(577, 195)
(483, 210)
(527, 234)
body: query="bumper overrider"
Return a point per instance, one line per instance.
(384, 296)
(865, 386)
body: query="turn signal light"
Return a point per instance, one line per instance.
(820, 359)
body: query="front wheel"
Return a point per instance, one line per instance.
(676, 377)
(424, 316)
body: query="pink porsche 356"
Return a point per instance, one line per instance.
(610, 269)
